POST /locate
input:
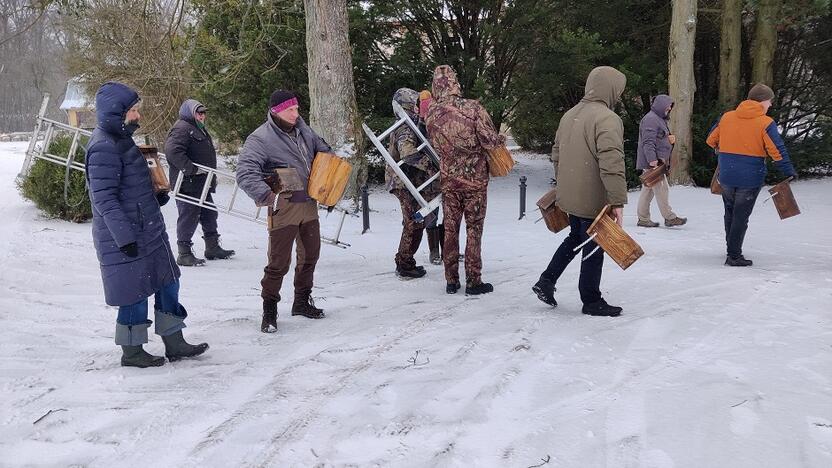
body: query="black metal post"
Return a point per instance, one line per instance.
(365, 208)
(522, 197)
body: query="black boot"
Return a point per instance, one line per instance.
(305, 306)
(186, 256)
(601, 309)
(136, 356)
(452, 288)
(213, 251)
(409, 272)
(434, 243)
(473, 289)
(269, 323)
(545, 291)
(177, 348)
(738, 261)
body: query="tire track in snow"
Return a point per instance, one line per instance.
(308, 408)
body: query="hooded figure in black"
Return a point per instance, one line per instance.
(188, 144)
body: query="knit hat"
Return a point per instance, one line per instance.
(424, 94)
(760, 92)
(282, 100)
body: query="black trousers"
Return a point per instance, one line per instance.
(589, 282)
(190, 216)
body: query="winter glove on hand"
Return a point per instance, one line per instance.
(131, 250)
(163, 198)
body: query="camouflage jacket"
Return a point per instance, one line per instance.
(461, 132)
(418, 165)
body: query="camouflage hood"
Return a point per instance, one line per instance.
(605, 84)
(445, 83)
(409, 100)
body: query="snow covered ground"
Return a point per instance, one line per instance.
(709, 366)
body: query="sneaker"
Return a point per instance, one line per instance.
(647, 224)
(476, 289)
(677, 221)
(601, 309)
(738, 261)
(452, 288)
(545, 291)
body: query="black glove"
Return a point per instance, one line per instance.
(131, 250)
(163, 198)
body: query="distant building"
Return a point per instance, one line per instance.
(79, 108)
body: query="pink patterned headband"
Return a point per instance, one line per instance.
(285, 105)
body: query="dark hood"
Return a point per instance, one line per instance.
(605, 85)
(660, 105)
(112, 101)
(188, 109)
(445, 83)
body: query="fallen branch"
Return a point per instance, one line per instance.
(544, 460)
(47, 414)
(414, 360)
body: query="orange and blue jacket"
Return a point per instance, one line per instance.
(744, 138)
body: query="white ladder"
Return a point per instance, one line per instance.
(427, 206)
(48, 128)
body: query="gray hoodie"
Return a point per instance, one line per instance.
(268, 148)
(653, 143)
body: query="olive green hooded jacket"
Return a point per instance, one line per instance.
(588, 153)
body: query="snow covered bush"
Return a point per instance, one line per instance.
(46, 182)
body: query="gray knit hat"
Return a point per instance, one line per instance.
(760, 92)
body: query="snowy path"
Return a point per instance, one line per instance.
(708, 366)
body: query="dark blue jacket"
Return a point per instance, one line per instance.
(124, 207)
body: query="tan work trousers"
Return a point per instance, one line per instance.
(662, 192)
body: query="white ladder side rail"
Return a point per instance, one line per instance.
(403, 119)
(47, 127)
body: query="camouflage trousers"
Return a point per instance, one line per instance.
(472, 205)
(411, 231)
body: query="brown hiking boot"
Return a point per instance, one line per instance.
(647, 224)
(677, 221)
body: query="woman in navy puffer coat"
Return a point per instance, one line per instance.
(129, 233)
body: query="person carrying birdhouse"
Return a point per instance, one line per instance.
(285, 141)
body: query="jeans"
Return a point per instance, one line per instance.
(589, 282)
(739, 202)
(166, 300)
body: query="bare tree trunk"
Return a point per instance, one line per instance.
(682, 86)
(765, 42)
(334, 111)
(730, 51)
